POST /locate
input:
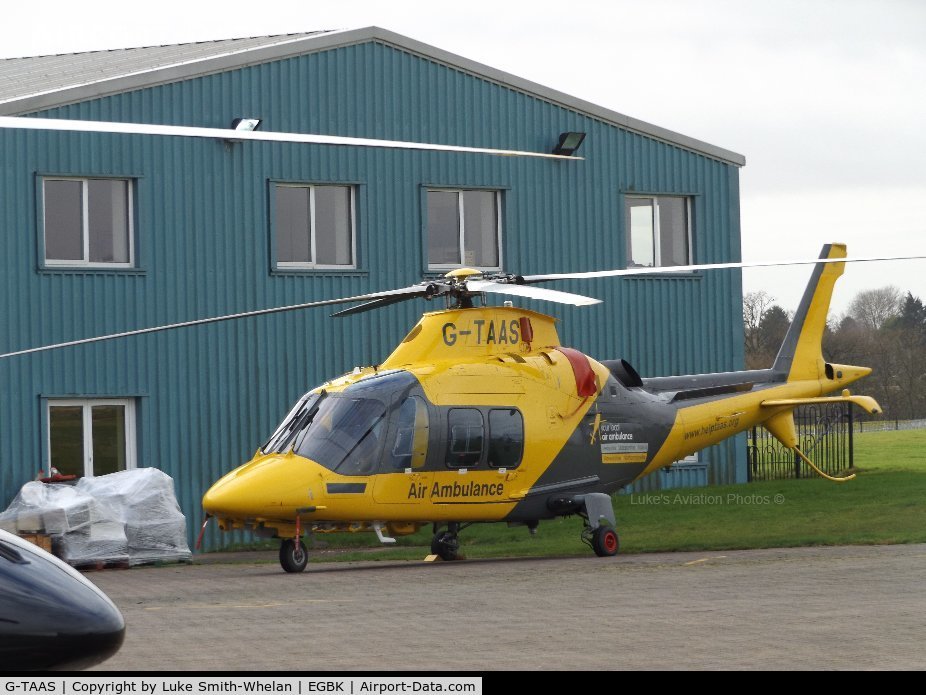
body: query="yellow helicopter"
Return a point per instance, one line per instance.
(481, 415)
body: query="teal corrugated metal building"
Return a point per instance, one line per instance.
(204, 225)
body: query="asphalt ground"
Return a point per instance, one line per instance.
(860, 607)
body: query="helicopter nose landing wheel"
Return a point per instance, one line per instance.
(446, 545)
(293, 555)
(605, 541)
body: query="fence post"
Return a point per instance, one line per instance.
(851, 438)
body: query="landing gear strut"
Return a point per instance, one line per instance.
(445, 544)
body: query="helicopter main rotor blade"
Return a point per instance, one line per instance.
(376, 304)
(402, 293)
(61, 124)
(531, 292)
(512, 285)
(617, 272)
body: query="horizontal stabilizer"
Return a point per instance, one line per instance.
(867, 403)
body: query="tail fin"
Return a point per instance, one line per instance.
(801, 353)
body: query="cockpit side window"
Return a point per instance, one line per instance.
(465, 441)
(297, 419)
(410, 448)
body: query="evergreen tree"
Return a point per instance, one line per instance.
(772, 329)
(912, 317)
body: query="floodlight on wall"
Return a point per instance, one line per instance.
(568, 143)
(247, 124)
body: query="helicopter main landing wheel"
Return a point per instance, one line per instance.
(605, 541)
(293, 556)
(446, 545)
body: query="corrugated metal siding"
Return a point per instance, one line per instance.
(208, 395)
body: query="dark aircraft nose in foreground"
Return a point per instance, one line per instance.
(51, 617)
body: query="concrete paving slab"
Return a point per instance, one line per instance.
(860, 607)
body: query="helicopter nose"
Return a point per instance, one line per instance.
(230, 498)
(257, 489)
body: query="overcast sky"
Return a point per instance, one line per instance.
(825, 98)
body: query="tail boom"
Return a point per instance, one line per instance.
(799, 376)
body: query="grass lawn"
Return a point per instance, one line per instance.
(886, 503)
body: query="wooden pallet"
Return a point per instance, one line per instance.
(43, 540)
(97, 565)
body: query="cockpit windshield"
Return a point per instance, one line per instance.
(343, 431)
(344, 435)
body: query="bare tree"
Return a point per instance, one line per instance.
(891, 339)
(755, 304)
(883, 329)
(846, 341)
(873, 308)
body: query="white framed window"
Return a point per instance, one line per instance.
(464, 229)
(314, 226)
(87, 222)
(94, 436)
(658, 230)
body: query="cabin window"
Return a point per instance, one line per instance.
(658, 230)
(87, 222)
(91, 437)
(410, 448)
(464, 229)
(465, 437)
(506, 438)
(314, 226)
